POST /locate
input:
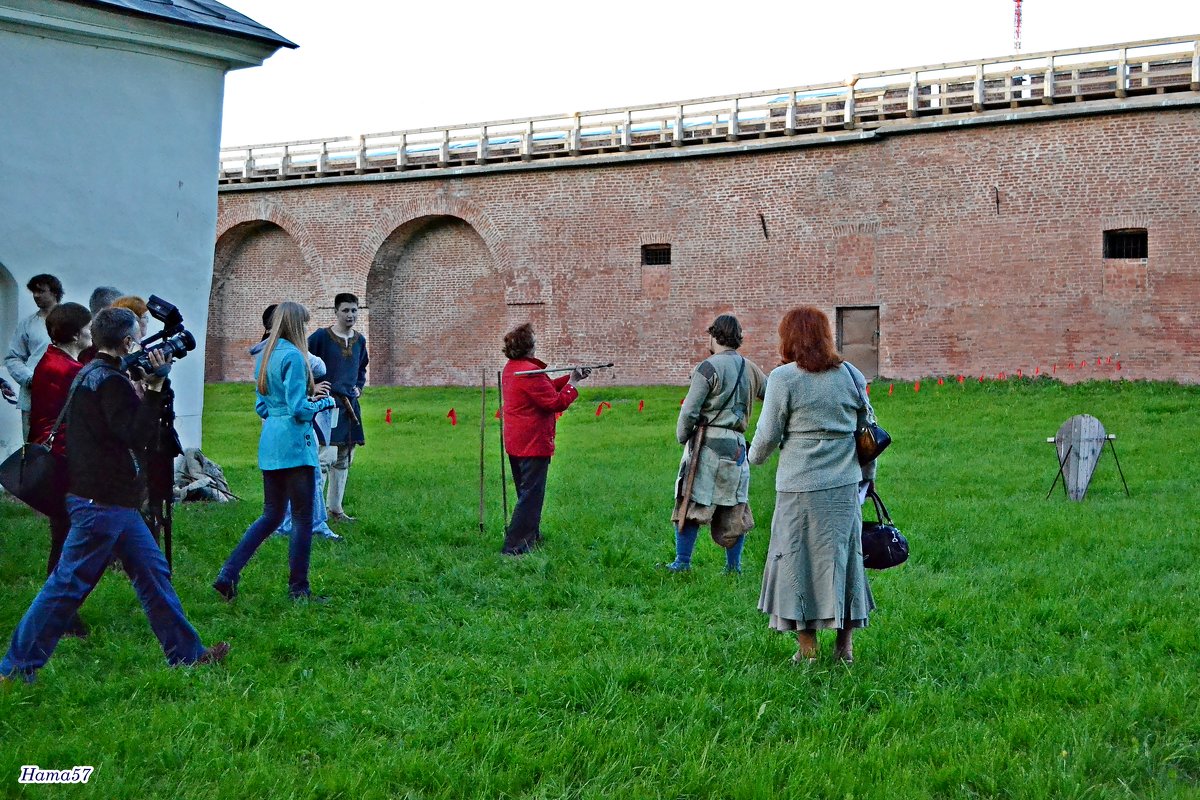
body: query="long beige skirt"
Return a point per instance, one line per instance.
(814, 575)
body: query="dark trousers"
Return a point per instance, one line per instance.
(529, 475)
(294, 484)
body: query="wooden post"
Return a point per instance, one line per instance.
(627, 131)
(360, 158)
(444, 150)
(482, 428)
(481, 150)
(732, 131)
(248, 164)
(1196, 67)
(789, 126)
(848, 108)
(677, 138)
(1048, 85)
(914, 86)
(285, 162)
(575, 135)
(977, 103)
(1122, 72)
(1008, 89)
(527, 142)
(503, 477)
(323, 158)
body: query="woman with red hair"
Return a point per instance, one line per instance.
(814, 577)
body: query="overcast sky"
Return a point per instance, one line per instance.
(369, 66)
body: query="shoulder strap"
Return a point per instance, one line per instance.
(91, 366)
(736, 384)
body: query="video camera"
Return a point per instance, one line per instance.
(177, 341)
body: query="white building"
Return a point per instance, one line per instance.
(110, 121)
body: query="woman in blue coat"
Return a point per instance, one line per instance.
(287, 399)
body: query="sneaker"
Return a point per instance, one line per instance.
(341, 516)
(675, 566)
(733, 570)
(76, 629)
(11, 678)
(225, 589)
(309, 597)
(213, 655)
(326, 533)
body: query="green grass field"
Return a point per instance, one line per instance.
(1030, 647)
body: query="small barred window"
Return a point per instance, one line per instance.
(656, 255)
(1127, 243)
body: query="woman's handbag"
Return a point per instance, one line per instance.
(869, 439)
(883, 545)
(28, 474)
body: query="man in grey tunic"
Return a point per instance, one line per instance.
(714, 478)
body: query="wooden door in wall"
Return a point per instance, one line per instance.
(858, 338)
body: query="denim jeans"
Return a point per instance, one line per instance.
(524, 531)
(98, 532)
(294, 484)
(320, 514)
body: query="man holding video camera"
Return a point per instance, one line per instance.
(106, 488)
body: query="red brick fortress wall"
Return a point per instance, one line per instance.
(981, 246)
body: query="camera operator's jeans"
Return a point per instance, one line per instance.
(293, 484)
(98, 532)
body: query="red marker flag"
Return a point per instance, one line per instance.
(1118, 365)
(600, 408)
(917, 386)
(453, 417)
(1037, 370)
(641, 405)
(940, 382)
(497, 415)
(388, 417)
(961, 378)
(681, 400)
(868, 390)
(1054, 369)
(891, 388)
(1018, 373)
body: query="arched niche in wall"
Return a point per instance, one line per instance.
(10, 420)
(257, 263)
(437, 305)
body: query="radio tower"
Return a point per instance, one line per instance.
(1017, 25)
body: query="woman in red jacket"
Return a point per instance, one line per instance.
(69, 327)
(531, 406)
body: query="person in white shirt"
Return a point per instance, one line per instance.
(31, 340)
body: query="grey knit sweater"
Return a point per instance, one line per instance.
(811, 417)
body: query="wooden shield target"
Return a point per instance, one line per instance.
(1079, 442)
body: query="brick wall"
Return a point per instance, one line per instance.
(981, 246)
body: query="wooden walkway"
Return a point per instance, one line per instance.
(865, 101)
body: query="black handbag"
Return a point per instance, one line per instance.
(29, 473)
(883, 545)
(870, 439)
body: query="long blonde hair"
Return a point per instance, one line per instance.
(286, 323)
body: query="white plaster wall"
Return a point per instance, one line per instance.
(108, 162)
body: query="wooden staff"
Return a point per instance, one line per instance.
(696, 442)
(482, 425)
(503, 477)
(552, 370)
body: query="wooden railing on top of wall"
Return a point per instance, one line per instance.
(864, 101)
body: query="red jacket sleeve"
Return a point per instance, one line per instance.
(548, 395)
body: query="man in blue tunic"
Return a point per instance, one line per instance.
(344, 351)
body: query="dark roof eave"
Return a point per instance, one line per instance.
(257, 33)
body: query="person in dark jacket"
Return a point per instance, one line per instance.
(531, 406)
(108, 425)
